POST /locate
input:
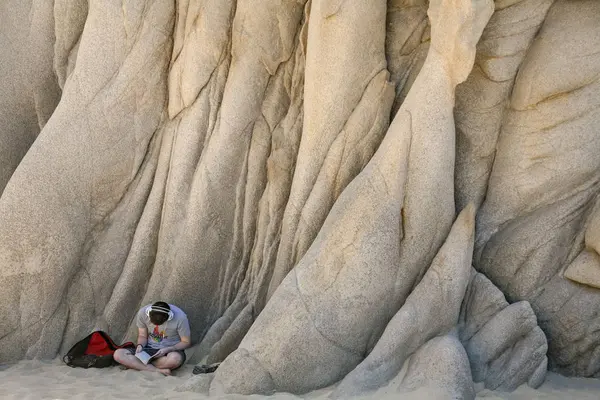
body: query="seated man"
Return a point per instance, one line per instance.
(163, 332)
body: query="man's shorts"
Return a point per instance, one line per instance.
(153, 351)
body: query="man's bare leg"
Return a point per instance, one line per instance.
(129, 360)
(170, 361)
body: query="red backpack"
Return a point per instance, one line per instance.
(96, 351)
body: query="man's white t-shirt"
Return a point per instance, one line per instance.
(167, 334)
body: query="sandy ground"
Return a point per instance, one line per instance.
(54, 380)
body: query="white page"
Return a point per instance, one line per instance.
(143, 356)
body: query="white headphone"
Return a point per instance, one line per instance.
(160, 310)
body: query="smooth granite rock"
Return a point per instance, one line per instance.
(288, 172)
(432, 309)
(505, 346)
(332, 307)
(440, 364)
(544, 184)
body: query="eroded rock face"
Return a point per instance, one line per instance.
(29, 89)
(289, 173)
(429, 367)
(540, 202)
(432, 309)
(504, 343)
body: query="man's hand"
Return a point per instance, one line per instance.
(138, 348)
(163, 352)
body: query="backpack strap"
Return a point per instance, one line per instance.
(112, 344)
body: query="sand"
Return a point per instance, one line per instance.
(54, 380)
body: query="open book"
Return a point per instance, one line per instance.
(144, 357)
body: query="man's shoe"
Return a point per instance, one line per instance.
(205, 369)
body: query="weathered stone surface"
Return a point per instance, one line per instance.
(544, 185)
(432, 309)
(286, 172)
(482, 100)
(69, 20)
(406, 44)
(75, 217)
(338, 36)
(493, 343)
(506, 348)
(441, 364)
(197, 383)
(211, 200)
(340, 296)
(482, 301)
(585, 269)
(29, 90)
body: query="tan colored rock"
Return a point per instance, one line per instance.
(482, 301)
(481, 101)
(440, 364)
(237, 158)
(29, 91)
(505, 346)
(406, 45)
(431, 310)
(197, 384)
(345, 37)
(309, 352)
(69, 20)
(201, 43)
(212, 199)
(497, 344)
(95, 143)
(544, 184)
(585, 269)
(336, 302)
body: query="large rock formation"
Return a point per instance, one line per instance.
(289, 172)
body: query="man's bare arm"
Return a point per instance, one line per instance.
(184, 344)
(142, 337)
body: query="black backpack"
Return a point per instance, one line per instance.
(95, 351)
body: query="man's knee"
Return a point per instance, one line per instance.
(120, 354)
(173, 359)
